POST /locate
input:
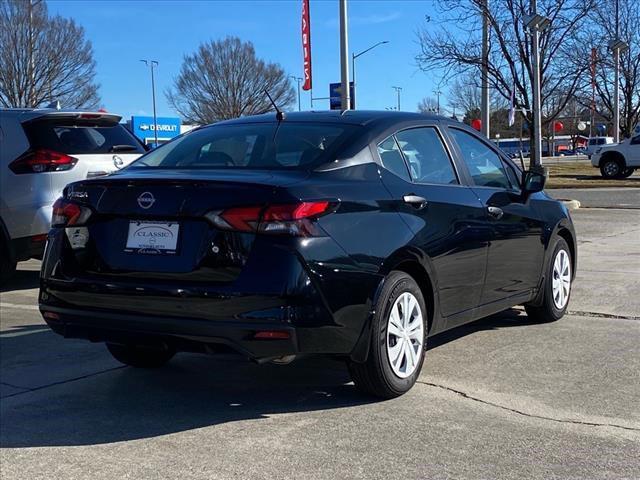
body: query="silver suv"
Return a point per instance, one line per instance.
(41, 151)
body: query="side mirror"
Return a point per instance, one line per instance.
(533, 182)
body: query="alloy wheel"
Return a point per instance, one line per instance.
(561, 281)
(405, 335)
(612, 168)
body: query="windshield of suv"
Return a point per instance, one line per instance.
(75, 137)
(252, 145)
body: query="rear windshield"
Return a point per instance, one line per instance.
(256, 145)
(72, 137)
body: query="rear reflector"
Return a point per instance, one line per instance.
(272, 335)
(67, 214)
(51, 315)
(42, 160)
(39, 238)
(292, 219)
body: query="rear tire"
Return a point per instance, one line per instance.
(557, 291)
(140, 357)
(627, 173)
(398, 340)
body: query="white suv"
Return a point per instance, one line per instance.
(41, 151)
(619, 160)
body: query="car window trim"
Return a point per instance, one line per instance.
(447, 151)
(395, 140)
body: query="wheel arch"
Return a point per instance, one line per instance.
(414, 263)
(614, 154)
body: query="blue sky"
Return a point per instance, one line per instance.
(123, 32)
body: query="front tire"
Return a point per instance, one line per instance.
(140, 357)
(557, 287)
(398, 340)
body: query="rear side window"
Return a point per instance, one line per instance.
(253, 145)
(485, 166)
(426, 156)
(392, 159)
(67, 136)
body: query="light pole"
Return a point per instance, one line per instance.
(297, 80)
(617, 46)
(398, 90)
(438, 92)
(353, 66)
(485, 103)
(536, 23)
(151, 64)
(344, 57)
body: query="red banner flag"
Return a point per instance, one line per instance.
(306, 45)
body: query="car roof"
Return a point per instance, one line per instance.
(352, 117)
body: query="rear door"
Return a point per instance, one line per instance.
(445, 216)
(516, 249)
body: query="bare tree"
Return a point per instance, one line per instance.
(601, 32)
(455, 47)
(465, 95)
(224, 79)
(44, 58)
(428, 105)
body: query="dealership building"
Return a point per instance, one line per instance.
(167, 128)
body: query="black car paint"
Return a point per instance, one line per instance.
(321, 289)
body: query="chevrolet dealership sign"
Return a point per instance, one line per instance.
(166, 128)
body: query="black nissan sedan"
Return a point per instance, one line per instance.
(354, 234)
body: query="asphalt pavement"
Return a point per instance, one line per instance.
(499, 398)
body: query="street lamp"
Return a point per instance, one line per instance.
(151, 64)
(297, 80)
(353, 66)
(536, 23)
(398, 90)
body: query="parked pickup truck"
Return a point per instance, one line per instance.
(619, 160)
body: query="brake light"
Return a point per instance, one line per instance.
(67, 214)
(42, 160)
(290, 219)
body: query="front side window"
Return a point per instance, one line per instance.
(392, 158)
(485, 166)
(426, 156)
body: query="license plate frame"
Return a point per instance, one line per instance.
(153, 237)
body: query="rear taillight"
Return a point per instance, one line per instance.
(291, 219)
(42, 160)
(67, 214)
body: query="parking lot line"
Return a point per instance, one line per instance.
(23, 332)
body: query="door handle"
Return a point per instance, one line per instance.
(415, 201)
(495, 212)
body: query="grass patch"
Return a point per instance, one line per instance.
(581, 174)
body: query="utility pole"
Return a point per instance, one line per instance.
(438, 92)
(152, 64)
(398, 90)
(345, 94)
(298, 80)
(617, 46)
(536, 23)
(485, 104)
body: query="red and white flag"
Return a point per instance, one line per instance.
(306, 45)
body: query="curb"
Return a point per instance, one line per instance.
(570, 204)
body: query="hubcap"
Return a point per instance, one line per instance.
(405, 335)
(561, 279)
(611, 168)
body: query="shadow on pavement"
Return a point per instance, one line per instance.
(22, 280)
(73, 404)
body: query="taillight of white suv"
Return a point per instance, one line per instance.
(42, 160)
